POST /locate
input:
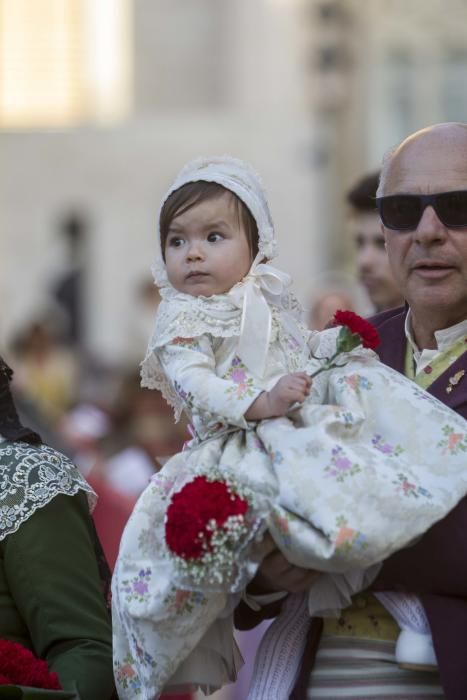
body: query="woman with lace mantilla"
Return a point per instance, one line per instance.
(52, 569)
(333, 473)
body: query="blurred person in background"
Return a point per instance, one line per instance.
(325, 306)
(333, 292)
(84, 429)
(142, 318)
(50, 602)
(373, 267)
(145, 435)
(47, 371)
(68, 290)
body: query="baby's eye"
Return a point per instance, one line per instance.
(215, 236)
(175, 242)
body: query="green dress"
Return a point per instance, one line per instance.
(51, 595)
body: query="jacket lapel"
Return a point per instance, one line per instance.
(392, 352)
(453, 393)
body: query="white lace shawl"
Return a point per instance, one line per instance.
(30, 477)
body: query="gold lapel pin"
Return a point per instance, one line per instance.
(454, 380)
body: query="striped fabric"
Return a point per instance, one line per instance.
(364, 669)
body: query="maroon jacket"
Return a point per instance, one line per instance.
(435, 567)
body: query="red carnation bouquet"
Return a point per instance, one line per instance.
(354, 331)
(207, 522)
(23, 675)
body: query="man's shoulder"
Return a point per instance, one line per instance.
(390, 317)
(390, 325)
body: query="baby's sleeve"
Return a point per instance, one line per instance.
(189, 364)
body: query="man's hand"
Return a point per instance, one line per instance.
(290, 389)
(278, 574)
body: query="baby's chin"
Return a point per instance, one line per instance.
(201, 290)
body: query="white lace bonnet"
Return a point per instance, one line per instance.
(239, 178)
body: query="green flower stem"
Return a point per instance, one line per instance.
(346, 342)
(328, 364)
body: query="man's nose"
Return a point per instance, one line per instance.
(430, 229)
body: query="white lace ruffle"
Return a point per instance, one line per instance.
(30, 477)
(186, 316)
(153, 377)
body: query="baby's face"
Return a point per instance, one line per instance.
(207, 251)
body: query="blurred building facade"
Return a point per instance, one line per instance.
(311, 92)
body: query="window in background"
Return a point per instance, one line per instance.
(182, 54)
(64, 62)
(453, 93)
(399, 81)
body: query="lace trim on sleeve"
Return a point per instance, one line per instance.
(154, 377)
(185, 316)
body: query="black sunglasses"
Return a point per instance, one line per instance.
(402, 212)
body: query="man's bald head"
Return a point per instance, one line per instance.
(417, 148)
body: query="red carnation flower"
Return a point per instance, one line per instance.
(19, 666)
(192, 509)
(358, 326)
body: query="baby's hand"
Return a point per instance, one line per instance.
(290, 389)
(293, 388)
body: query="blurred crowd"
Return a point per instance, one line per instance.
(117, 433)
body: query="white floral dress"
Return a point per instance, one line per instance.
(365, 466)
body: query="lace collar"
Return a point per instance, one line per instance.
(30, 477)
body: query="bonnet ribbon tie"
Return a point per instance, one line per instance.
(255, 328)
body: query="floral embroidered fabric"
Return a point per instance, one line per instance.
(356, 473)
(30, 477)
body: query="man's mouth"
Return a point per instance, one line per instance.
(432, 268)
